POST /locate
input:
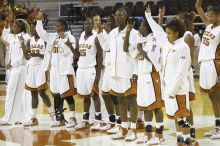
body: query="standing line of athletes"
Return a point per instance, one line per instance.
(143, 70)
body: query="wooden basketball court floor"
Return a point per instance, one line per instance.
(43, 135)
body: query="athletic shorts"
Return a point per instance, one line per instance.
(62, 84)
(36, 78)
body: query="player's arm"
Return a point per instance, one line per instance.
(26, 52)
(161, 15)
(190, 41)
(127, 37)
(140, 49)
(201, 12)
(73, 50)
(99, 60)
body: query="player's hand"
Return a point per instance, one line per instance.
(134, 78)
(148, 9)
(40, 15)
(62, 35)
(162, 11)
(68, 43)
(129, 27)
(8, 66)
(21, 39)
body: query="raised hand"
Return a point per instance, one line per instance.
(162, 11)
(130, 26)
(68, 43)
(148, 9)
(21, 39)
(40, 15)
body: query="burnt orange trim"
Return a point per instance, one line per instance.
(192, 96)
(182, 111)
(72, 91)
(29, 88)
(213, 89)
(105, 93)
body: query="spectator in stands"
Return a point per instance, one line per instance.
(21, 11)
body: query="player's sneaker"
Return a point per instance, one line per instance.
(72, 123)
(156, 141)
(106, 127)
(120, 134)
(82, 125)
(216, 135)
(114, 130)
(96, 126)
(131, 136)
(144, 138)
(212, 132)
(31, 122)
(56, 123)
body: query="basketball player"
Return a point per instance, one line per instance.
(149, 98)
(111, 102)
(15, 104)
(187, 19)
(209, 58)
(88, 74)
(176, 64)
(36, 78)
(123, 80)
(62, 47)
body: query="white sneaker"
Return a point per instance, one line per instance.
(114, 130)
(72, 123)
(56, 123)
(31, 122)
(155, 141)
(212, 132)
(118, 135)
(131, 136)
(83, 125)
(96, 126)
(142, 139)
(106, 127)
(216, 135)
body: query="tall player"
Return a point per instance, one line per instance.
(123, 80)
(62, 46)
(111, 101)
(36, 78)
(149, 97)
(88, 74)
(209, 57)
(176, 64)
(15, 102)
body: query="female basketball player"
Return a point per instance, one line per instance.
(209, 57)
(149, 98)
(111, 102)
(88, 74)
(15, 103)
(36, 78)
(176, 64)
(122, 70)
(62, 47)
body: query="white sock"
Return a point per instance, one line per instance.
(72, 114)
(186, 136)
(158, 125)
(124, 125)
(179, 134)
(147, 123)
(34, 113)
(50, 109)
(133, 126)
(129, 114)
